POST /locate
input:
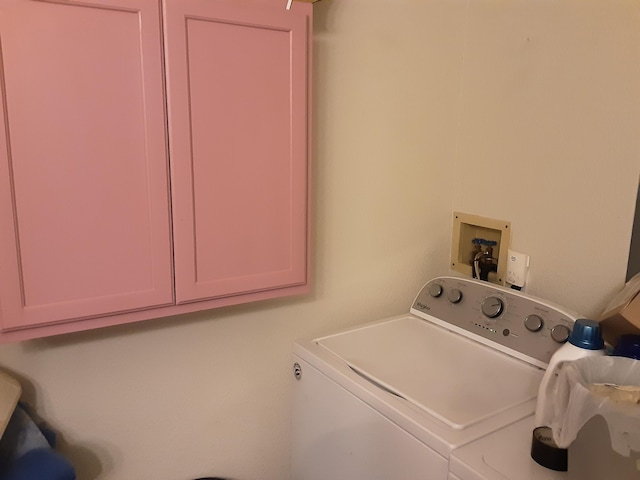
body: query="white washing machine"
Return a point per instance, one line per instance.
(392, 399)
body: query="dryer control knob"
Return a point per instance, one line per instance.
(492, 307)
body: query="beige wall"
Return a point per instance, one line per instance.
(525, 110)
(548, 137)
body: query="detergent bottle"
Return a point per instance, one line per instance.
(585, 340)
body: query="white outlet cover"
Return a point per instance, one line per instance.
(517, 266)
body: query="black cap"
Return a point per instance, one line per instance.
(545, 452)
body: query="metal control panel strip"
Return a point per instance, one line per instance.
(518, 324)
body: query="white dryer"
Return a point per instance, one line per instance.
(392, 399)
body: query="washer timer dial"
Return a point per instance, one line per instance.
(492, 307)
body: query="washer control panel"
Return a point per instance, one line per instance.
(524, 326)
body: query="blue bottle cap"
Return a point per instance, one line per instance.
(586, 334)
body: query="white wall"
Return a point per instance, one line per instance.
(421, 108)
(548, 137)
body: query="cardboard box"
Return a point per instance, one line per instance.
(622, 315)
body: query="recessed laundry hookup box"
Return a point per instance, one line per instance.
(473, 234)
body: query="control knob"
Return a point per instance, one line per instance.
(560, 333)
(492, 306)
(435, 290)
(533, 323)
(455, 296)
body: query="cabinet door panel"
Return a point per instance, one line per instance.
(237, 87)
(83, 164)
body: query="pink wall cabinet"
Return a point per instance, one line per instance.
(107, 218)
(237, 87)
(83, 183)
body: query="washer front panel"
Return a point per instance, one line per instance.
(337, 436)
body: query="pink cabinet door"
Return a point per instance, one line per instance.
(237, 86)
(84, 202)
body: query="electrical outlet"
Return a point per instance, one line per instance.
(517, 266)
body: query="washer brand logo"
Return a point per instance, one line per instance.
(422, 306)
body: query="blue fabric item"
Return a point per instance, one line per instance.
(21, 435)
(27, 454)
(40, 464)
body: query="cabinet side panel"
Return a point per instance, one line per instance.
(84, 148)
(239, 157)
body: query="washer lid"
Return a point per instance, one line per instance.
(455, 379)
